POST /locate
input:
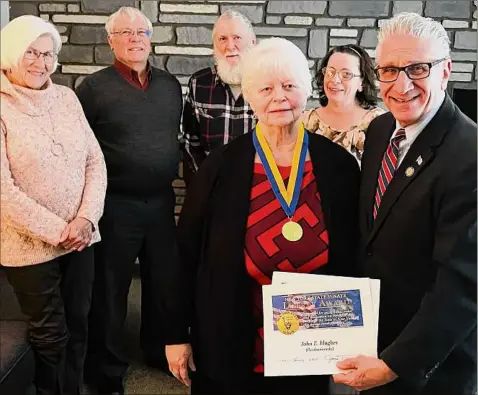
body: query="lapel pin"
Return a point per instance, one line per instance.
(409, 171)
(419, 160)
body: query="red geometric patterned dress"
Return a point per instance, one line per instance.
(266, 250)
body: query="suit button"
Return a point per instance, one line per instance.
(369, 252)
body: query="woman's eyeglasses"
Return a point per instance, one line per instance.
(32, 54)
(344, 75)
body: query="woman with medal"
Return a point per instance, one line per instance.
(53, 183)
(276, 199)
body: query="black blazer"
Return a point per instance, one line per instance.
(209, 289)
(427, 330)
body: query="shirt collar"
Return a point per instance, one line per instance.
(126, 70)
(412, 131)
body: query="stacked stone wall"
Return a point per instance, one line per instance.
(182, 32)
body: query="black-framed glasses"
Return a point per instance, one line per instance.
(126, 33)
(344, 75)
(415, 71)
(32, 54)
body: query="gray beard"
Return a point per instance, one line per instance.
(229, 74)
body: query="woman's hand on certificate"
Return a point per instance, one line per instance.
(180, 357)
(363, 373)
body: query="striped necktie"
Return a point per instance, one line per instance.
(389, 165)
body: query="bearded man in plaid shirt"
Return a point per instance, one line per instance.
(215, 112)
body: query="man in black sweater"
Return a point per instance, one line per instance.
(134, 110)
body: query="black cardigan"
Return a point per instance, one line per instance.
(209, 290)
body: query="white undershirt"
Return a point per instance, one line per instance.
(236, 90)
(412, 131)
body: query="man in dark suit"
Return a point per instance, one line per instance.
(417, 216)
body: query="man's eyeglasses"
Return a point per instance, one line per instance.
(126, 33)
(343, 74)
(32, 54)
(415, 71)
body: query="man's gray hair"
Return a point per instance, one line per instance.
(275, 56)
(412, 24)
(129, 12)
(231, 14)
(19, 34)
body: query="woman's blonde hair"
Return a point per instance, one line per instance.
(19, 34)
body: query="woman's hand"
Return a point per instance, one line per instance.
(180, 356)
(77, 234)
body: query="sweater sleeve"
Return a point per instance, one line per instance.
(92, 202)
(86, 96)
(21, 211)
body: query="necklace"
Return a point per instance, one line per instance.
(56, 148)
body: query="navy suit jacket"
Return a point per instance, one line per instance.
(420, 247)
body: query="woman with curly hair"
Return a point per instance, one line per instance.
(348, 98)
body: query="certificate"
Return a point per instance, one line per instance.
(287, 278)
(312, 324)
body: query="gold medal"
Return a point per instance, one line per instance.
(292, 231)
(288, 197)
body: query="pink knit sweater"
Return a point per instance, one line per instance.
(52, 170)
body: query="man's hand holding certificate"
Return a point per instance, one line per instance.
(311, 322)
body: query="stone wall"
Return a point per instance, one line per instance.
(4, 13)
(182, 32)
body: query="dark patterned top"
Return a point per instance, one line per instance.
(266, 250)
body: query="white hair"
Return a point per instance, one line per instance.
(412, 24)
(128, 12)
(19, 34)
(231, 14)
(275, 56)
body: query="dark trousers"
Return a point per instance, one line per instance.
(55, 296)
(258, 384)
(130, 228)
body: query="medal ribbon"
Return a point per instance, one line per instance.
(288, 197)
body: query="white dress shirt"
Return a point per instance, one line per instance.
(412, 131)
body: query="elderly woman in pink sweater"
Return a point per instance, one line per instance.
(53, 183)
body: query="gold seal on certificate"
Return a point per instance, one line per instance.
(288, 323)
(292, 231)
